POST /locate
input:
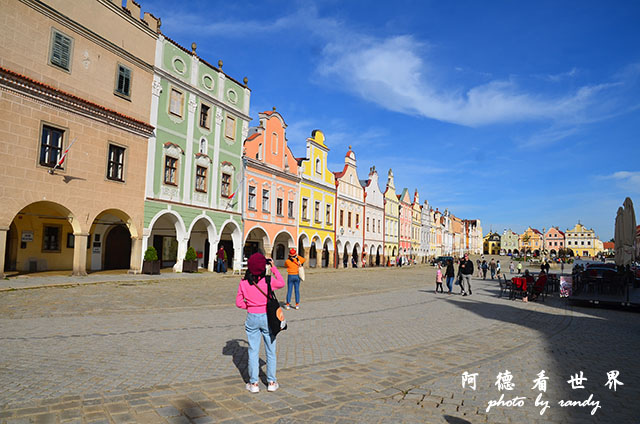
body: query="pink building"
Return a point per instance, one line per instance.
(404, 224)
(271, 187)
(554, 240)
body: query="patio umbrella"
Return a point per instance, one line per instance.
(629, 232)
(617, 234)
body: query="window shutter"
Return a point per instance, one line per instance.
(61, 53)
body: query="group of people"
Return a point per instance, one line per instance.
(252, 296)
(465, 271)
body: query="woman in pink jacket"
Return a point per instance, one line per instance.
(252, 297)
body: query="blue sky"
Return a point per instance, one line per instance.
(516, 113)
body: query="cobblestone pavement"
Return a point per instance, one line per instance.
(367, 345)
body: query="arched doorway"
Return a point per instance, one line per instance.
(355, 254)
(231, 242)
(117, 248)
(281, 245)
(202, 230)
(257, 240)
(41, 238)
(325, 254)
(313, 255)
(345, 256)
(378, 258)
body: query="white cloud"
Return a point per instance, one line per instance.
(627, 180)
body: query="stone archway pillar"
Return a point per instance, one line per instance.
(135, 264)
(330, 259)
(182, 251)
(3, 246)
(80, 254)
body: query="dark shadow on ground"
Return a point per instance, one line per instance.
(455, 420)
(238, 349)
(591, 340)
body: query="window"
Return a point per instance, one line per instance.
(204, 116)
(316, 214)
(328, 213)
(259, 153)
(378, 225)
(265, 200)
(230, 128)
(349, 219)
(115, 166)
(274, 143)
(203, 146)
(201, 179)
(61, 46)
(367, 223)
(279, 203)
(318, 166)
(225, 188)
(357, 220)
(341, 218)
(170, 170)
(51, 146)
(123, 81)
(176, 101)
(304, 209)
(51, 238)
(290, 208)
(252, 197)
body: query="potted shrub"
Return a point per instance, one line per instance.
(151, 264)
(190, 263)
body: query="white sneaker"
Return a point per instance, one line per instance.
(253, 388)
(287, 306)
(297, 306)
(273, 386)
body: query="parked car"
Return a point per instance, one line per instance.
(442, 260)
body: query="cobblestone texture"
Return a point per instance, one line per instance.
(366, 346)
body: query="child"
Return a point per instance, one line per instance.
(439, 279)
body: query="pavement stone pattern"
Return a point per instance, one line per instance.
(367, 345)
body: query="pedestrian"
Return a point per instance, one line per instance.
(562, 267)
(519, 267)
(547, 267)
(492, 268)
(354, 261)
(512, 267)
(345, 260)
(449, 274)
(485, 267)
(439, 279)
(224, 262)
(251, 296)
(479, 267)
(220, 259)
(498, 269)
(466, 268)
(293, 264)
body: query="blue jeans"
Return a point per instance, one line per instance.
(219, 265)
(450, 283)
(256, 325)
(293, 282)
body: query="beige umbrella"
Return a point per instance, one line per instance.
(617, 234)
(628, 232)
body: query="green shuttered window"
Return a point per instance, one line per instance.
(61, 50)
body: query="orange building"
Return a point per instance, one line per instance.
(271, 183)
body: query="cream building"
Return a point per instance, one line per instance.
(74, 76)
(374, 220)
(350, 209)
(581, 240)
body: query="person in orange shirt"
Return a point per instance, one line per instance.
(293, 263)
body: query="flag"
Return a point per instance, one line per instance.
(232, 194)
(63, 156)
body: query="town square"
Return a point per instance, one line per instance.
(423, 213)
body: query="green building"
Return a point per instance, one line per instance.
(194, 162)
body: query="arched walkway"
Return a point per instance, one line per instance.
(282, 242)
(45, 236)
(115, 243)
(168, 236)
(201, 233)
(231, 241)
(257, 240)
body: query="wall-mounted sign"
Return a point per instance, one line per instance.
(27, 236)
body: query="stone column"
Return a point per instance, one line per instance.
(80, 253)
(3, 247)
(330, 262)
(135, 264)
(267, 250)
(182, 250)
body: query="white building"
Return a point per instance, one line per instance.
(374, 220)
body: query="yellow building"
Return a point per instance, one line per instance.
(582, 241)
(491, 244)
(391, 217)
(316, 220)
(530, 242)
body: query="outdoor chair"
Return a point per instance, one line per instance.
(505, 286)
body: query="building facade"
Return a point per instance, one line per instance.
(457, 231)
(416, 229)
(427, 233)
(391, 219)
(74, 105)
(317, 189)
(530, 242)
(374, 220)
(404, 224)
(491, 244)
(581, 240)
(554, 241)
(271, 183)
(194, 162)
(509, 242)
(350, 208)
